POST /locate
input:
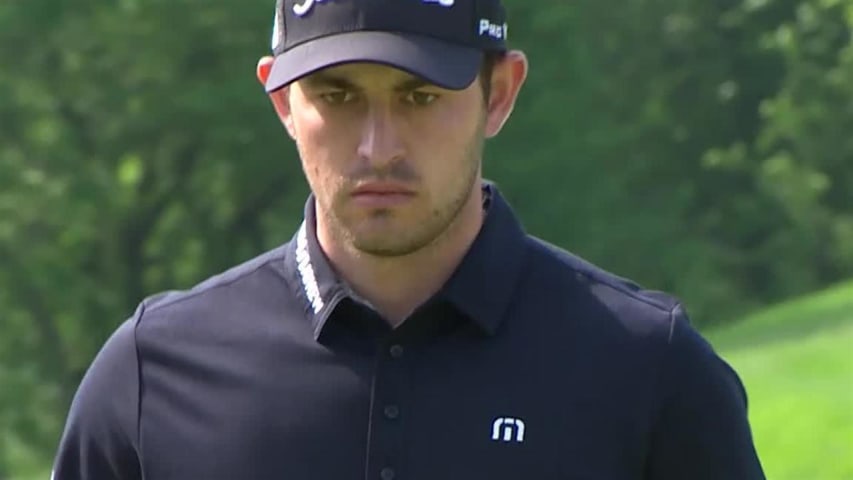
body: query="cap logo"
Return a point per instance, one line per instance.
(443, 3)
(302, 9)
(494, 30)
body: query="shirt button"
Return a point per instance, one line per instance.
(387, 473)
(396, 351)
(392, 412)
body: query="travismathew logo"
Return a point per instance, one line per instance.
(508, 429)
(306, 270)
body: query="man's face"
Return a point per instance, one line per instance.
(391, 160)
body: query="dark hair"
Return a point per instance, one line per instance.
(490, 59)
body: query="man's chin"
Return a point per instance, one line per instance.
(386, 243)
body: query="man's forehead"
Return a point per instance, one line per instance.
(365, 74)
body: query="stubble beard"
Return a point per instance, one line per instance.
(429, 231)
(441, 221)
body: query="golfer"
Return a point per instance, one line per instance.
(411, 328)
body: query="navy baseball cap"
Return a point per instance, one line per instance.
(442, 41)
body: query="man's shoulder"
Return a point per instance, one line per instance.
(253, 277)
(596, 288)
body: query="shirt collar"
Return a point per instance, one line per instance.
(481, 287)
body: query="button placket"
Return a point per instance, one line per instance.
(387, 473)
(391, 412)
(395, 351)
(390, 384)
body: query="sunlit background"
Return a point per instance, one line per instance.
(700, 147)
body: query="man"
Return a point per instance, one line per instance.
(410, 329)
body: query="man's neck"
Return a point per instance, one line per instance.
(396, 286)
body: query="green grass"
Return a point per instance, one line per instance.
(796, 360)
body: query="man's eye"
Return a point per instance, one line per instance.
(421, 99)
(337, 97)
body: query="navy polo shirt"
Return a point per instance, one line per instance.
(528, 363)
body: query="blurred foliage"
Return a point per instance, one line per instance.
(697, 147)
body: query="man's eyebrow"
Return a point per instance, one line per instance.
(412, 83)
(323, 79)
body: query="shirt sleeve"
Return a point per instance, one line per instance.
(99, 441)
(702, 432)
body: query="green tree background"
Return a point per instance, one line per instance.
(697, 147)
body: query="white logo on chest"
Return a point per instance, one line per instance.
(507, 429)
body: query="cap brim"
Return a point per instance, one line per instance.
(444, 64)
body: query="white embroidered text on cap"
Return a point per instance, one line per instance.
(443, 3)
(302, 9)
(494, 30)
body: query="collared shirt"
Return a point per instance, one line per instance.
(528, 363)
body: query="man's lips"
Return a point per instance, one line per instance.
(382, 189)
(381, 194)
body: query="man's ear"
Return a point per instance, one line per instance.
(508, 77)
(280, 98)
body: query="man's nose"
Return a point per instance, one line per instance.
(381, 144)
